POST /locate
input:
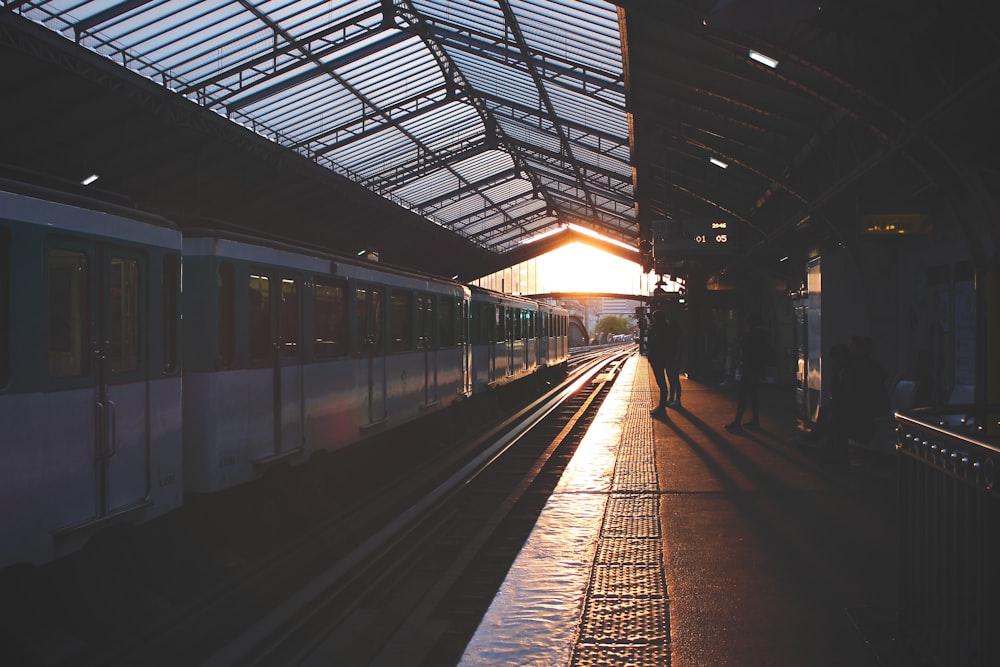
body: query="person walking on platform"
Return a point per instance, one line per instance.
(754, 351)
(661, 344)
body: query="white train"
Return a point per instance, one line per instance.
(125, 386)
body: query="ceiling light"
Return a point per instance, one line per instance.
(762, 59)
(90, 179)
(717, 162)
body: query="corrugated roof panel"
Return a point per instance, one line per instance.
(509, 189)
(578, 31)
(435, 184)
(601, 162)
(462, 208)
(364, 94)
(495, 79)
(486, 17)
(413, 68)
(611, 147)
(483, 165)
(526, 207)
(447, 126)
(542, 137)
(385, 150)
(588, 112)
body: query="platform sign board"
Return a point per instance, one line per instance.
(693, 238)
(895, 224)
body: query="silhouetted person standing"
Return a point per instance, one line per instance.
(658, 351)
(753, 358)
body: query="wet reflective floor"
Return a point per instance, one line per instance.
(676, 542)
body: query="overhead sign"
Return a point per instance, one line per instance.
(895, 223)
(691, 238)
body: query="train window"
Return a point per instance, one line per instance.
(5, 336)
(447, 321)
(370, 310)
(487, 321)
(329, 319)
(69, 312)
(288, 317)
(517, 316)
(425, 316)
(123, 304)
(226, 288)
(401, 325)
(501, 330)
(259, 318)
(171, 310)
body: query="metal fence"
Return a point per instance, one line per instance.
(949, 535)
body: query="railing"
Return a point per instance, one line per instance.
(949, 534)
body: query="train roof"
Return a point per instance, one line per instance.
(195, 227)
(61, 192)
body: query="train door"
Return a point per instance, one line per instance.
(543, 337)
(493, 319)
(289, 404)
(123, 373)
(510, 336)
(465, 341)
(426, 321)
(274, 401)
(97, 310)
(370, 304)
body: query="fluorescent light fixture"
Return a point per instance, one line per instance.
(718, 163)
(362, 251)
(762, 59)
(784, 259)
(90, 179)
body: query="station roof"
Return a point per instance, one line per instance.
(446, 133)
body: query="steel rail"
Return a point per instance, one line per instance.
(253, 644)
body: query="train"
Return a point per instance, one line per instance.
(144, 359)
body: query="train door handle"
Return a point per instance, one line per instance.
(113, 424)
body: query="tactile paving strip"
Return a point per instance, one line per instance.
(602, 655)
(638, 505)
(624, 620)
(629, 551)
(626, 615)
(628, 581)
(626, 525)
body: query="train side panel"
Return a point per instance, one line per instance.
(90, 405)
(295, 352)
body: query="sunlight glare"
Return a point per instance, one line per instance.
(577, 267)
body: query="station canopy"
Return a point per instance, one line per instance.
(498, 121)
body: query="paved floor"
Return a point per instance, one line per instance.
(773, 556)
(763, 554)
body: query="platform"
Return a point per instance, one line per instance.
(676, 542)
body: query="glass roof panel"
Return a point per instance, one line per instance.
(488, 121)
(484, 17)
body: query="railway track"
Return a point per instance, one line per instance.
(405, 571)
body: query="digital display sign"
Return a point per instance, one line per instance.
(895, 224)
(691, 238)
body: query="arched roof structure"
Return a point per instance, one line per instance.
(445, 133)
